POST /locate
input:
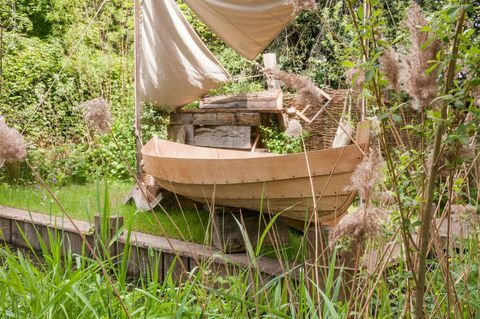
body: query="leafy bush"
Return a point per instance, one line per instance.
(280, 142)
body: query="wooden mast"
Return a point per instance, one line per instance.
(138, 102)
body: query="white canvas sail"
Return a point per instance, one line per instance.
(176, 67)
(247, 26)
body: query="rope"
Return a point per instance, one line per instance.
(56, 77)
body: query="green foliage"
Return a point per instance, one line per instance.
(280, 142)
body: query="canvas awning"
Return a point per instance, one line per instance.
(176, 67)
(247, 26)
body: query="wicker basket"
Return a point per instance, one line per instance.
(323, 128)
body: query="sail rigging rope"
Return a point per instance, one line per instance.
(56, 77)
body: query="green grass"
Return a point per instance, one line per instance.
(82, 203)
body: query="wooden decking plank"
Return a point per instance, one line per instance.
(43, 219)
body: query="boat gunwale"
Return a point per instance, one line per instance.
(255, 155)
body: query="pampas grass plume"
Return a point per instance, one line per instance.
(12, 147)
(391, 68)
(368, 174)
(359, 225)
(307, 91)
(97, 115)
(422, 87)
(299, 5)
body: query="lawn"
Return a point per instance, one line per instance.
(82, 202)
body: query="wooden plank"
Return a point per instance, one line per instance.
(181, 118)
(248, 119)
(270, 63)
(25, 234)
(191, 165)
(257, 100)
(180, 133)
(238, 137)
(5, 230)
(176, 266)
(43, 219)
(142, 260)
(229, 110)
(213, 119)
(228, 236)
(324, 185)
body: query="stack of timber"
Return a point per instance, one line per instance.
(231, 122)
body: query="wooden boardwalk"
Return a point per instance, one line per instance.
(27, 229)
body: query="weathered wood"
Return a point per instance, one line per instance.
(257, 100)
(181, 118)
(142, 260)
(248, 119)
(228, 235)
(5, 230)
(319, 256)
(216, 118)
(223, 136)
(202, 119)
(26, 235)
(270, 63)
(104, 236)
(229, 110)
(175, 265)
(157, 244)
(180, 133)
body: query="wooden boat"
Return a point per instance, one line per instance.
(294, 184)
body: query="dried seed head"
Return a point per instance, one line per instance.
(359, 225)
(299, 5)
(97, 115)
(294, 128)
(12, 147)
(451, 155)
(368, 174)
(466, 212)
(422, 87)
(355, 77)
(391, 68)
(476, 95)
(463, 209)
(386, 198)
(307, 91)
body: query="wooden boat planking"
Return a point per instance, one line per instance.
(260, 181)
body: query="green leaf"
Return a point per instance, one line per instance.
(348, 64)
(369, 75)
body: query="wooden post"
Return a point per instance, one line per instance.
(228, 237)
(270, 62)
(319, 257)
(138, 102)
(104, 236)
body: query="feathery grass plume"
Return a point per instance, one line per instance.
(299, 5)
(307, 91)
(422, 87)
(12, 147)
(368, 174)
(451, 155)
(97, 115)
(476, 95)
(391, 68)
(358, 226)
(386, 198)
(466, 212)
(355, 77)
(463, 209)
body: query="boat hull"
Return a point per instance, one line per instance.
(295, 184)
